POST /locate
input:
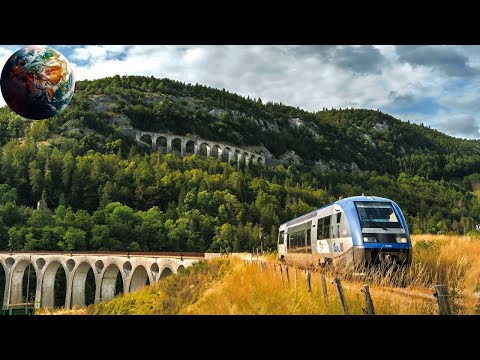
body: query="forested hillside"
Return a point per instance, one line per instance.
(96, 189)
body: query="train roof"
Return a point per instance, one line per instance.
(360, 198)
(341, 202)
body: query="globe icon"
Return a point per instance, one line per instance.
(37, 82)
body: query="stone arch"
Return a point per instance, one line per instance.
(146, 139)
(252, 158)
(216, 151)
(99, 265)
(162, 144)
(108, 282)
(166, 271)
(127, 268)
(237, 157)
(204, 150)
(19, 273)
(245, 157)
(9, 262)
(190, 147)
(40, 263)
(177, 146)
(155, 270)
(180, 269)
(227, 154)
(140, 278)
(48, 285)
(260, 160)
(79, 284)
(70, 264)
(3, 282)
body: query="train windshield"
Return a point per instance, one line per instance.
(377, 214)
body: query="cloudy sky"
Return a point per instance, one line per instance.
(435, 85)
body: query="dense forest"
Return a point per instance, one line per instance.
(77, 182)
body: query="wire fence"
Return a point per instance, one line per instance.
(289, 276)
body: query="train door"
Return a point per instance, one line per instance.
(281, 248)
(323, 243)
(336, 241)
(340, 231)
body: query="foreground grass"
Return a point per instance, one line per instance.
(170, 295)
(453, 261)
(232, 286)
(248, 289)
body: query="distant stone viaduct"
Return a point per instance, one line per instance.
(182, 145)
(135, 270)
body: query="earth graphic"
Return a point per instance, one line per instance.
(37, 82)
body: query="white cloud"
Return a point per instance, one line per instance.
(193, 55)
(308, 77)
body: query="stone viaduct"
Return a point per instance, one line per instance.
(135, 270)
(183, 145)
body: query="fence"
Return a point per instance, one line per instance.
(283, 272)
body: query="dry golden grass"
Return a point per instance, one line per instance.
(234, 286)
(451, 260)
(61, 311)
(170, 295)
(249, 289)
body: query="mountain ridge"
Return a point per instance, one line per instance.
(347, 139)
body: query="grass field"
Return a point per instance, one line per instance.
(233, 286)
(450, 260)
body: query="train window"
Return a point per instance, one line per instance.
(320, 229)
(300, 241)
(281, 238)
(326, 228)
(344, 227)
(336, 225)
(309, 241)
(377, 214)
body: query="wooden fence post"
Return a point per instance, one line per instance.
(324, 287)
(275, 270)
(309, 285)
(338, 284)
(281, 273)
(296, 282)
(368, 300)
(441, 292)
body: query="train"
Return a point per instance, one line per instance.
(353, 232)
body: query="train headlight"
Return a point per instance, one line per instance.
(369, 239)
(403, 240)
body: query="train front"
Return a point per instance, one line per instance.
(379, 232)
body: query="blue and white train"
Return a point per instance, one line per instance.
(355, 231)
